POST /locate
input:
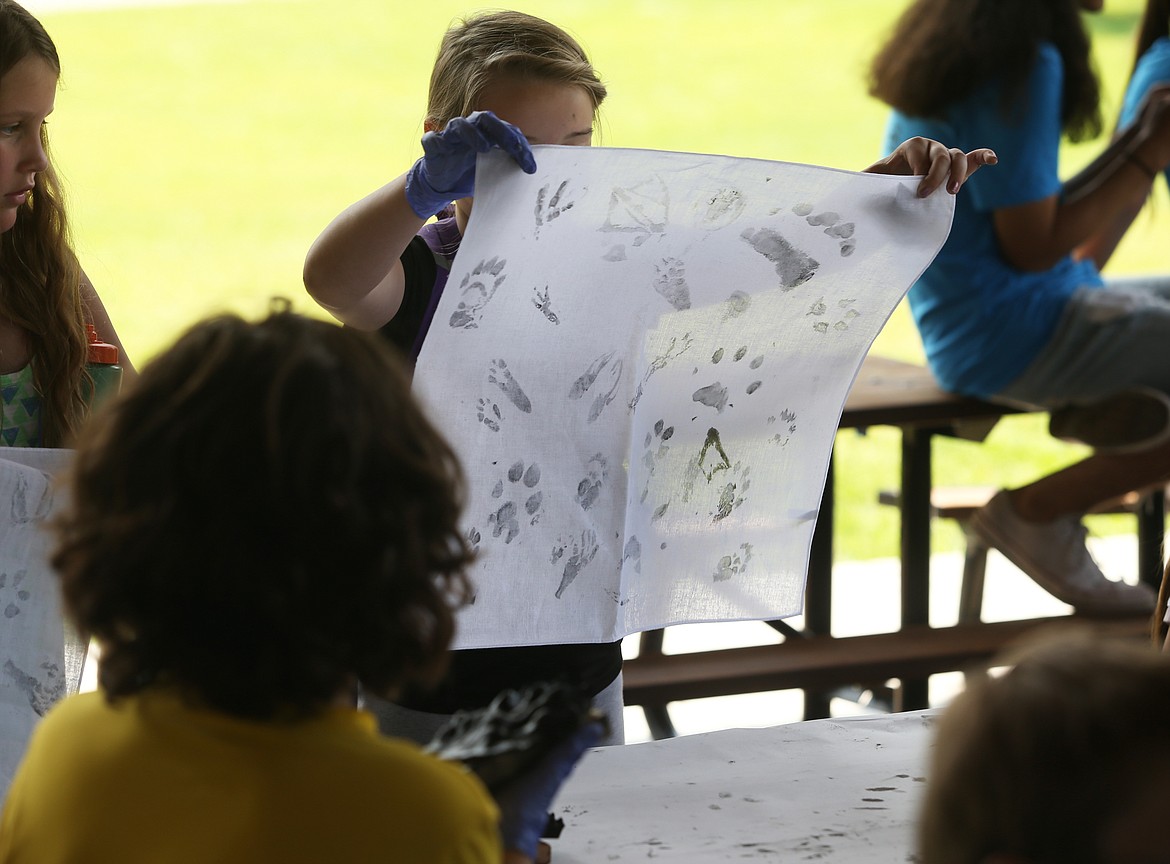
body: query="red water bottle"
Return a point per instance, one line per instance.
(102, 366)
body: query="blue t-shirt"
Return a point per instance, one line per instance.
(982, 321)
(1153, 68)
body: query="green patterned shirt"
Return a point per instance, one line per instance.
(20, 410)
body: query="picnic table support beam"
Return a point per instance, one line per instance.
(915, 551)
(818, 591)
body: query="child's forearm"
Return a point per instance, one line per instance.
(353, 269)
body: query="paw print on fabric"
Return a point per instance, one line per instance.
(42, 690)
(787, 420)
(488, 413)
(733, 564)
(475, 291)
(542, 302)
(609, 371)
(596, 473)
(671, 283)
(794, 266)
(580, 554)
(13, 596)
(845, 315)
(499, 375)
(521, 501)
(549, 208)
(834, 227)
(731, 496)
(654, 450)
(716, 395)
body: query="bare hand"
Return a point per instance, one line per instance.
(940, 164)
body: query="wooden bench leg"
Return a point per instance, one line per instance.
(974, 572)
(1151, 516)
(657, 715)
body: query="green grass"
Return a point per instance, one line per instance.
(204, 147)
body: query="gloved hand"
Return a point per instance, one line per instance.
(524, 803)
(446, 172)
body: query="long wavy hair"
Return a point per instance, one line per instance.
(264, 516)
(40, 279)
(941, 50)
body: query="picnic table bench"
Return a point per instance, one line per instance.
(886, 393)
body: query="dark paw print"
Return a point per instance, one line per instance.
(477, 288)
(524, 504)
(834, 227)
(655, 449)
(488, 413)
(15, 594)
(550, 208)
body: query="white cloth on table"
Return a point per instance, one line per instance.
(40, 656)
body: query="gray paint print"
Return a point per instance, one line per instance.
(633, 554)
(17, 595)
(476, 291)
(488, 413)
(522, 496)
(787, 419)
(27, 506)
(589, 377)
(642, 210)
(793, 266)
(542, 302)
(732, 495)
(549, 208)
(713, 396)
(846, 315)
(596, 474)
(679, 345)
(500, 375)
(670, 282)
(580, 555)
(736, 305)
(40, 692)
(734, 564)
(721, 209)
(655, 450)
(843, 231)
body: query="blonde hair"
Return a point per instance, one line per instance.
(477, 50)
(1038, 762)
(40, 278)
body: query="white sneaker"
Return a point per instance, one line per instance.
(1055, 556)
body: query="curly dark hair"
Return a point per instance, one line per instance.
(941, 50)
(264, 516)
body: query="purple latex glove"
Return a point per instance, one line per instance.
(446, 172)
(524, 803)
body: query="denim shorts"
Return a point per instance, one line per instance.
(1107, 340)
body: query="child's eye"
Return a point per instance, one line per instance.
(9, 130)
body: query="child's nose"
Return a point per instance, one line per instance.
(35, 158)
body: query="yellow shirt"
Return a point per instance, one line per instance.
(151, 780)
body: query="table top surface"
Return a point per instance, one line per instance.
(833, 791)
(891, 392)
